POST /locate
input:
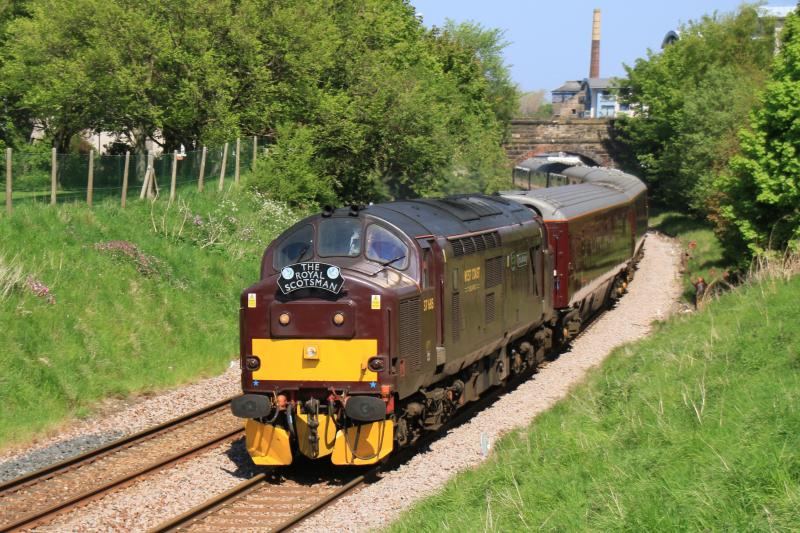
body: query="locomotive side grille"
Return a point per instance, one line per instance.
(469, 246)
(494, 271)
(490, 307)
(475, 243)
(456, 310)
(410, 330)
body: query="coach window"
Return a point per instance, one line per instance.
(297, 246)
(386, 248)
(339, 237)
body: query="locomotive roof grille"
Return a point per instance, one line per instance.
(475, 243)
(466, 207)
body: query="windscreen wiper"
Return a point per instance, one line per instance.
(389, 262)
(302, 253)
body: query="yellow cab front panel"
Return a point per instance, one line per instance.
(306, 360)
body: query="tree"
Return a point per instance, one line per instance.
(533, 105)
(388, 108)
(486, 47)
(689, 101)
(137, 67)
(760, 202)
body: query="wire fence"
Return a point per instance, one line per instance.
(59, 178)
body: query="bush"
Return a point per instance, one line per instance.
(759, 196)
(289, 173)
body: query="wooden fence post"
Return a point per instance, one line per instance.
(53, 177)
(255, 152)
(125, 178)
(152, 185)
(202, 169)
(236, 168)
(224, 164)
(90, 184)
(174, 176)
(146, 175)
(9, 188)
(146, 184)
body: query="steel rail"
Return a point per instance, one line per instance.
(215, 503)
(38, 516)
(43, 515)
(327, 500)
(222, 500)
(111, 446)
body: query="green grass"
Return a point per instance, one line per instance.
(42, 195)
(695, 428)
(116, 328)
(697, 239)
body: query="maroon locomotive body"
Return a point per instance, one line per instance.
(371, 325)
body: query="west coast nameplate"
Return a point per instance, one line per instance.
(310, 276)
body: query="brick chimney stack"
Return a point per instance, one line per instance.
(594, 65)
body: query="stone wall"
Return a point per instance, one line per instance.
(587, 137)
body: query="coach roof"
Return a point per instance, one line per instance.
(569, 201)
(608, 177)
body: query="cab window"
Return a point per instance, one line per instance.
(339, 237)
(386, 248)
(297, 246)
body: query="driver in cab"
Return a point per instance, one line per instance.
(384, 247)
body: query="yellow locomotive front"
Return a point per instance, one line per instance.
(316, 341)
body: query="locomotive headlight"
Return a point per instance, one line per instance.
(252, 363)
(284, 319)
(338, 318)
(376, 364)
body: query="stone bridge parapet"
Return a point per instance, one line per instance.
(591, 138)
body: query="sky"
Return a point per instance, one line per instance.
(550, 40)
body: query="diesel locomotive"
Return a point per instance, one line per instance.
(373, 324)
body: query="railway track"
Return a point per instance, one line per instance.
(38, 497)
(284, 501)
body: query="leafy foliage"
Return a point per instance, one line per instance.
(388, 108)
(291, 172)
(690, 99)
(760, 204)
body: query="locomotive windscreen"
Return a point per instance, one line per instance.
(295, 247)
(339, 237)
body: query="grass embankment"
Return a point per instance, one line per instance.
(85, 316)
(695, 428)
(703, 252)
